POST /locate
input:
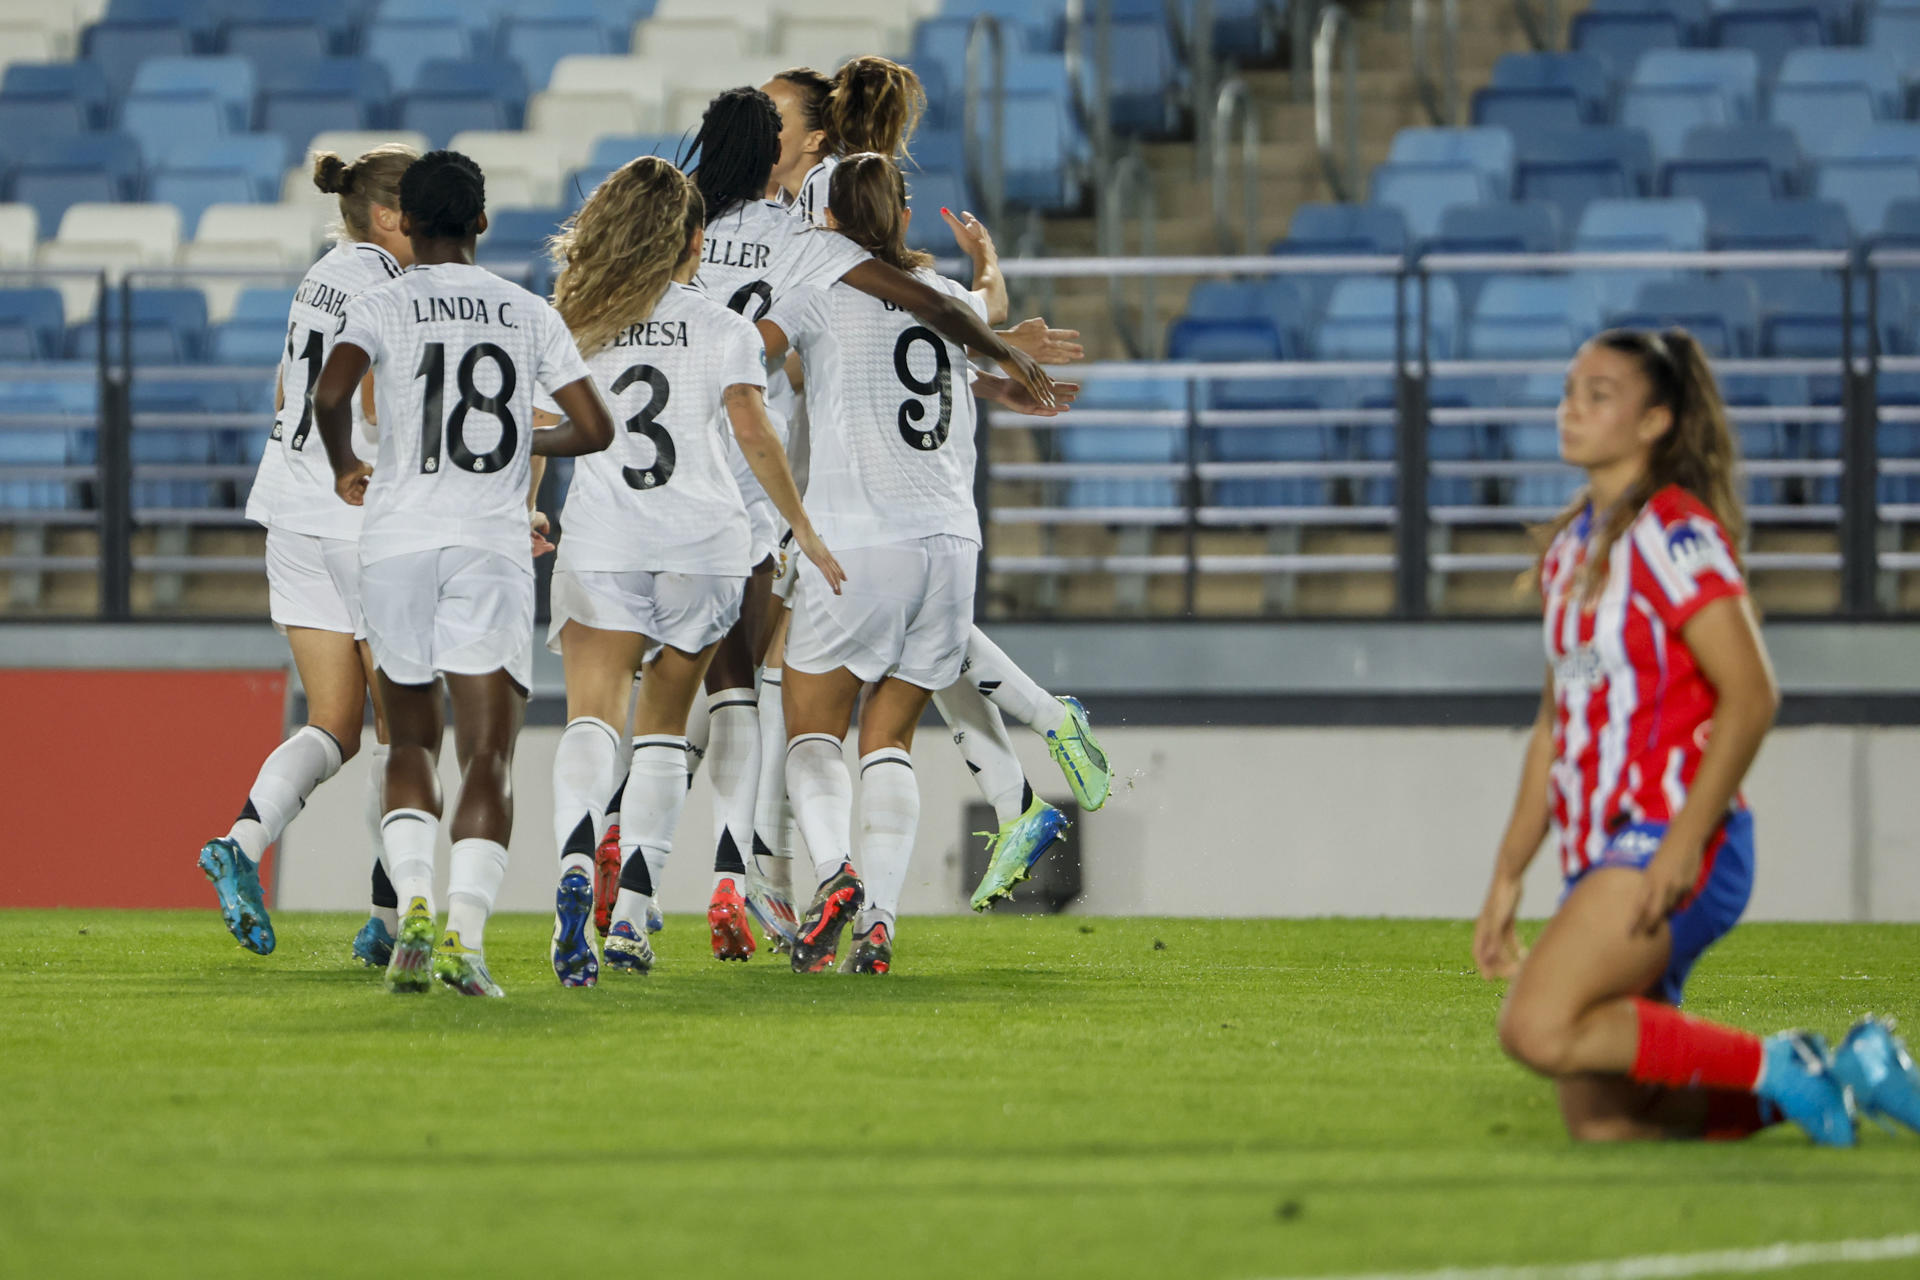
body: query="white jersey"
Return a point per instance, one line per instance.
(663, 499)
(293, 490)
(890, 416)
(811, 203)
(457, 356)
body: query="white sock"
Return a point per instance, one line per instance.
(821, 790)
(583, 778)
(473, 884)
(889, 819)
(656, 792)
(376, 809)
(699, 731)
(733, 757)
(981, 735)
(1012, 690)
(622, 767)
(409, 835)
(771, 813)
(287, 777)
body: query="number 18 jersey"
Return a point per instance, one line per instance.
(891, 417)
(457, 354)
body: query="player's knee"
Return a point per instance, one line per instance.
(347, 739)
(1534, 1037)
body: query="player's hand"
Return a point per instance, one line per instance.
(1497, 952)
(1048, 346)
(1006, 391)
(816, 551)
(540, 525)
(1026, 371)
(970, 234)
(1668, 879)
(352, 487)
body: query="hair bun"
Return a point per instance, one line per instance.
(331, 174)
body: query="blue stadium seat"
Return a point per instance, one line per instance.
(35, 320)
(1148, 442)
(1866, 188)
(518, 235)
(1570, 169)
(1667, 116)
(1245, 30)
(261, 158)
(256, 331)
(23, 118)
(1771, 31)
(1142, 91)
(1723, 313)
(1358, 323)
(1724, 165)
(161, 122)
(1243, 338)
(1830, 96)
(302, 99)
(49, 82)
(334, 20)
(1583, 74)
(1618, 39)
(1522, 227)
(1637, 226)
(1896, 31)
(440, 118)
(1801, 314)
(405, 47)
(1527, 317)
(196, 17)
(473, 78)
(277, 44)
(119, 49)
(1901, 227)
(931, 190)
(1422, 192)
(230, 81)
(1783, 224)
(1046, 156)
(538, 43)
(34, 447)
(1525, 111)
(1732, 75)
(1487, 151)
(1870, 70)
(193, 190)
(1328, 229)
(56, 172)
(476, 21)
(1694, 16)
(1276, 299)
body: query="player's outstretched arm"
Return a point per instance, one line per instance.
(586, 426)
(1496, 946)
(747, 411)
(333, 396)
(952, 319)
(977, 243)
(1006, 391)
(1045, 344)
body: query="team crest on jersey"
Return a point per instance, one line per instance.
(1694, 546)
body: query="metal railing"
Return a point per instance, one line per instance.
(1128, 195)
(986, 158)
(1339, 155)
(1235, 102)
(1440, 97)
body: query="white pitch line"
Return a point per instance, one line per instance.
(1666, 1266)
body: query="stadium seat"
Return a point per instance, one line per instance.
(1527, 317)
(692, 41)
(22, 118)
(1637, 226)
(1783, 224)
(1582, 74)
(630, 77)
(585, 116)
(1899, 230)
(168, 327)
(1525, 111)
(193, 191)
(160, 122)
(255, 332)
(1159, 438)
(827, 42)
(229, 81)
(1523, 227)
(1225, 339)
(1771, 31)
(260, 158)
(405, 47)
(439, 118)
(1723, 313)
(78, 82)
(303, 99)
(475, 21)
(519, 235)
(1618, 39)
(536, 44)
(932, 189)
(1732, 75)
(1896, 31)
(333, 20)
(1422, 193)
(1667, 116)
(1830, 96)
(1144, 78)
(1046, 156)
(542, 158)
(56, 173)
(1487, 151)
(1276, 299)
(1865, 188)
(34, 448)
(19, 233)
(119, 49)
(151, 230)
(1358, 322)
(1693, 16)
(1724, 165)
(36, 321)
(1571, 169)
(277, 44)
(1328, 229)
(1801, 314)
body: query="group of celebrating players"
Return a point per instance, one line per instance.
(700, 319)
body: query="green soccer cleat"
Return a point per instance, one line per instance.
(410, 969)
(463, 968)
(1015, 849)
(1079, 756)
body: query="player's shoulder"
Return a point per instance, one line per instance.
(1674, 510)
(699, 308)
(1677, 529)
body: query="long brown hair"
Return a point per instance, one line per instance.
(1698, 453)
(868, 199)
(814, 89)
(372, 179)
(875, 105)
(619, 252)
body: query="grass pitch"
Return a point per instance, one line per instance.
(1033, 1097)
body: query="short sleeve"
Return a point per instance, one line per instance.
(560, 361)
(824, 256)
(1687, 556)
(800, 315)
(361, 325)
(743, 357)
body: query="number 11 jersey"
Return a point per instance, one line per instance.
(458, 354)
(891, 417)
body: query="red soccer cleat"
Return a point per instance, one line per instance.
(727, 921)
(606, 879)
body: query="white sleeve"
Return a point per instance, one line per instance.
(743, 358)
(560, 362)
(360, 325)
(825, 256)
(799, 315)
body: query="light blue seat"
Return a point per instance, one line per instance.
(615, 150)
(36, 447)
(1276, 299)
(118, 49)
(1487, 151)
(229, 80)
(1422, 193)
(1726, 165)
(1770, 30)
(538, 43)
(1723, 313)
(194, 190)
(1667, 116)
(1045, 153)
(1329, 229)
(1732, 75)
(1527, 317)
(1619, 40)
(1358, 324)
(1525, 111)
(260, 158)
(1147, 442)
(161, 122)
(405, 47)
(1867, 188)
(931, 191)
(38, 315)
(1871, 71)
(1571, 169)
(1781, 224)
(1582, 74)
(1801, 314)
(1637, 226)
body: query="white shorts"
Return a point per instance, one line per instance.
(767, 526)
(906, 612)
(314, 582)
(688, 611)
(463, 610)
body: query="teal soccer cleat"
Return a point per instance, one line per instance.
(1798, 1077)
(373, 945)
(236, 882)
(1079, 756)
(1016, 847)
(1874, 1064)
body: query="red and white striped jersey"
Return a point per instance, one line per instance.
(1632, 707)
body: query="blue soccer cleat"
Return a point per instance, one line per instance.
(656, 920)
(1874, 1064)
(574, 960)
(628, 950)
(1798, 1078)
(1015, 848)
(373, 945)
(236, 881)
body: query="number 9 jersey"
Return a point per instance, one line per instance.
(891, 416)
(458, 354)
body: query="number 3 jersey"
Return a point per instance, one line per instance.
(457, 356)
(294, 487)
(663, 498)
(891, 417)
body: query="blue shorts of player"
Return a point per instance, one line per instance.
(1715, 906)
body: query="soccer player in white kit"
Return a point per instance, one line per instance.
(313, 561)
(445, 552)
(891, 485)
(657, 542)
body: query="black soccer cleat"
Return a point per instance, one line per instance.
(834, 906)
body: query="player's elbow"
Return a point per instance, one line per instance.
(597, 429)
